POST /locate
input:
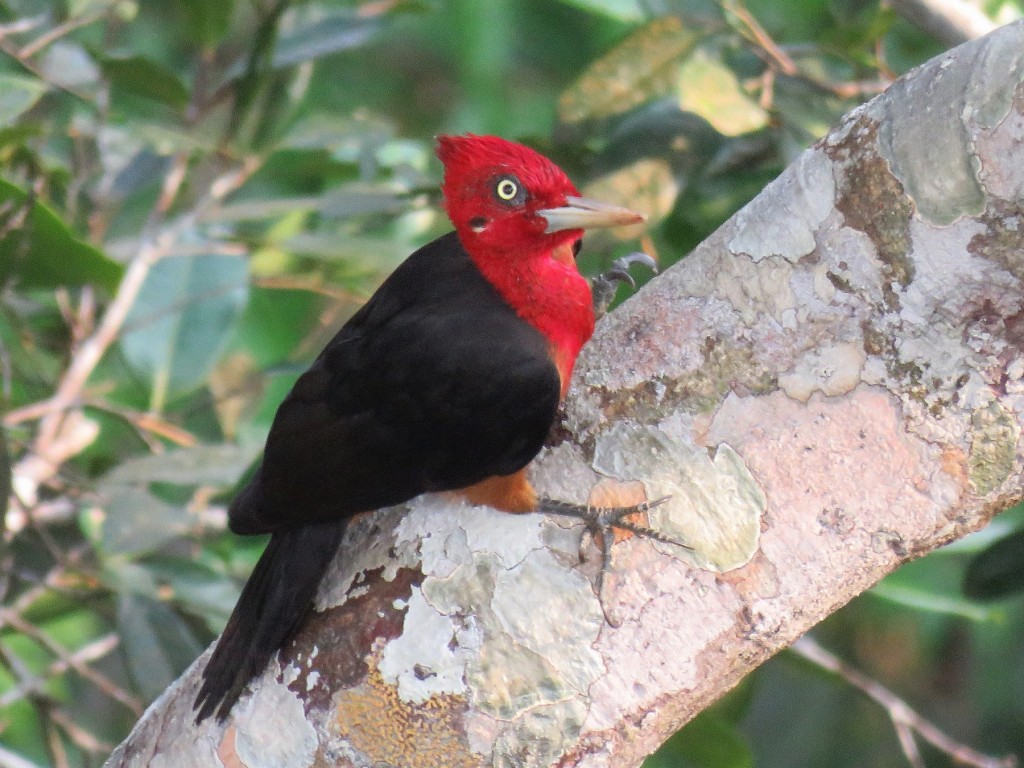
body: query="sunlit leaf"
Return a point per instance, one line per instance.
(934, 602)
(710, 89)
(998, 571)
(17, 94)
(182, 317)
(642, 67)
(647, 186)
(37, 250)
(623, 10)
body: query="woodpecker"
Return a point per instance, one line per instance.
(447, 379)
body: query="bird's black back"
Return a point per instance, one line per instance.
(435, 384)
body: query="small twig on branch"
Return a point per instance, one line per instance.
(905, 719)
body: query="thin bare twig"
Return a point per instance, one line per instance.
(82, 738)
(50, 36)
(157, 243)
(905, 719)
(84, 655)
(98, 679)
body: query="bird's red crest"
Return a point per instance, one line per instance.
(473, 165)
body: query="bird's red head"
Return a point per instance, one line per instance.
(518, 216)
(507, 199)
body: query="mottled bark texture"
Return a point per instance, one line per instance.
(829, 386)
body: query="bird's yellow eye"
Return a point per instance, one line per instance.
(507, 190)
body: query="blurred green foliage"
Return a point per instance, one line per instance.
(195, 194)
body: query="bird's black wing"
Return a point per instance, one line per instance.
(435, 384)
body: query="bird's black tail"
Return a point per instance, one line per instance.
(278, 595)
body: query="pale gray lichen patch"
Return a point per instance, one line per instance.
(498, 620)
(448, 533)
(534, 627)
(994, 439)
(945, 344)
(272, 730)
(999, 65)
(924, 139)
(715, 506)
(424, 660)
(537, 737)
(754, 288)
(375, 552)
(1001, 154)
(527, 597)
(782, 221)
(833, 370)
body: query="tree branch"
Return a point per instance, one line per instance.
(832, 384)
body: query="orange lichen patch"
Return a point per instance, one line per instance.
(375, 721)
(615, 493)
(954, 463)
(226, 750)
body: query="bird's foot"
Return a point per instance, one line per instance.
(603, 286)
(602, 523)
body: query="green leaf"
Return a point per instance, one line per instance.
(997, 572)
(135, 521)
(710, 89)
(196, 587)
(212, 465)
(623, 10)
(344, 202)
(181, 319)
(208, 21)
(643, 67)
(932, 602)
(332, 34)
(17, 94)
(156, 642)
(275, 321)
(707, 741)
(37, 250)
(139, 76)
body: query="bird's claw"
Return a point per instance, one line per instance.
(604, 285)
(619, 270)
(601, 522)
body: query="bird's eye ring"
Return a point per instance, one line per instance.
(506, 189)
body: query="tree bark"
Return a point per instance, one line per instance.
(829, 386)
